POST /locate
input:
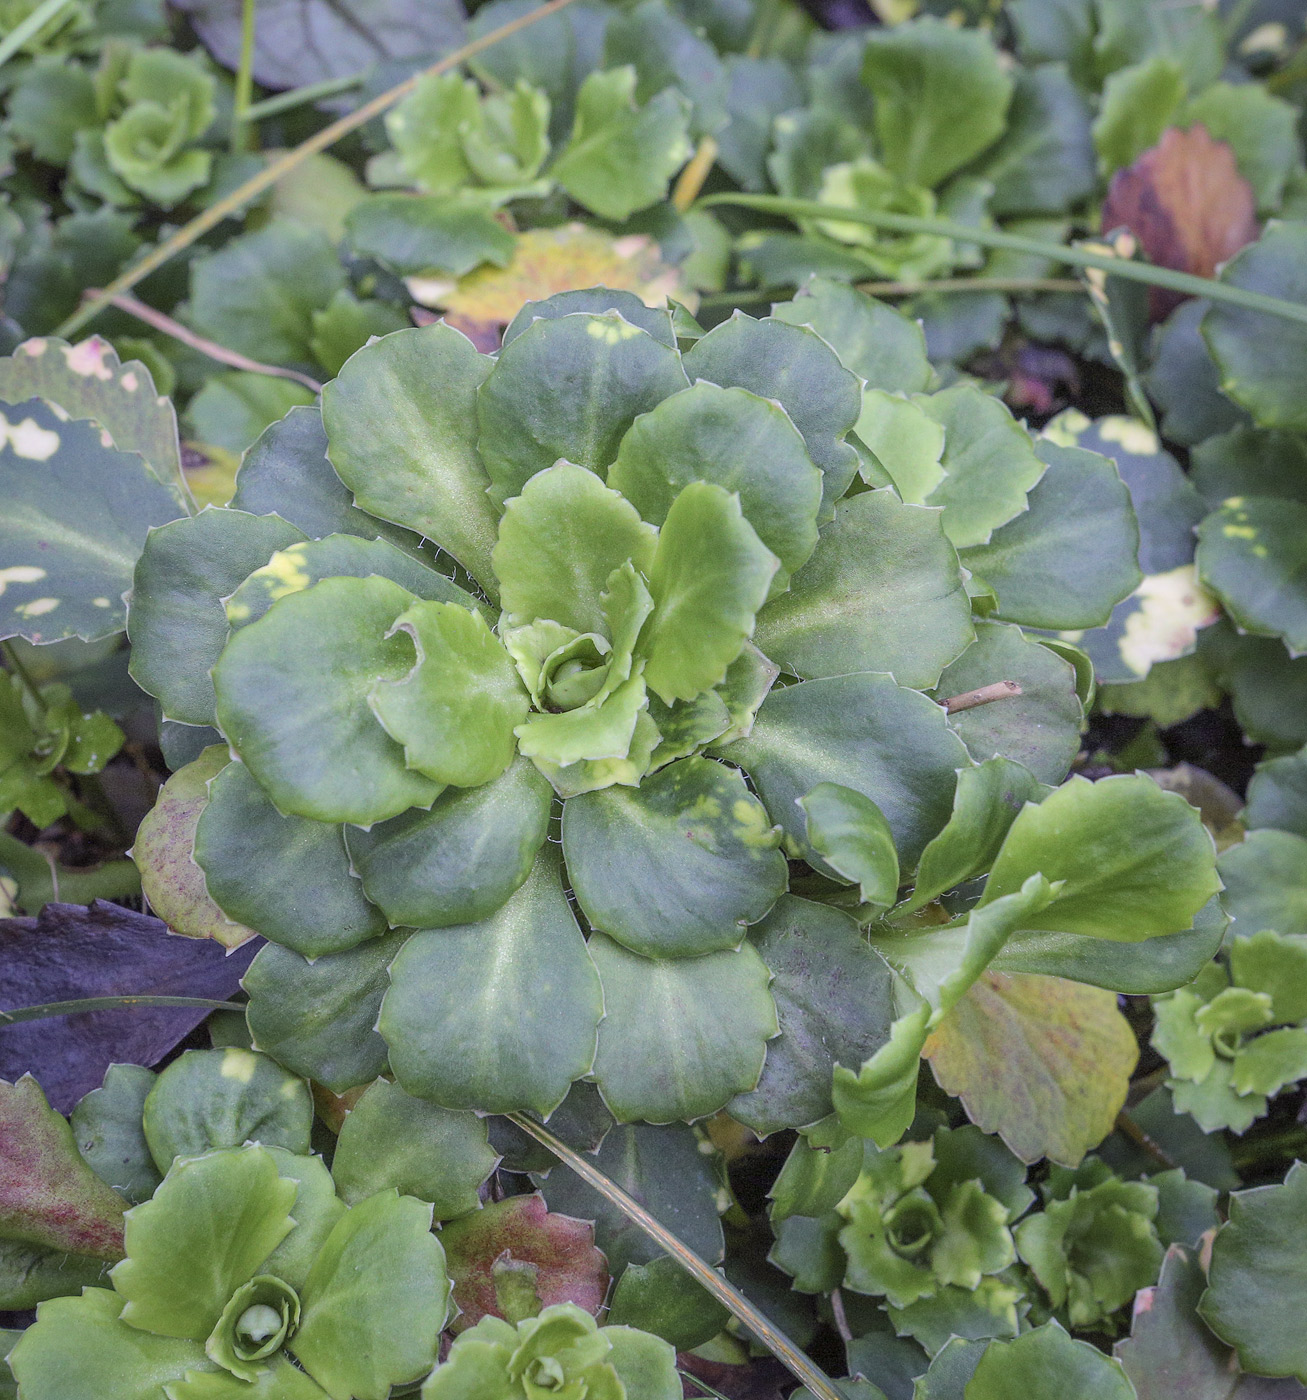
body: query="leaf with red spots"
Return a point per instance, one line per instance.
(494, 1252)
(48, 1195)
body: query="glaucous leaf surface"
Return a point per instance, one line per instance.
(1277, 794)
(677, 867)
(79, 511)
(1252, 556)
(882, 592)
(459, 861)
(289, 876)
(1047, 1364)
(209, 1099)
(569, 388)
(498, 1015)
(110, 1138)
(317, 750)
(409, 453)
(390, 1139)
(679, 1037)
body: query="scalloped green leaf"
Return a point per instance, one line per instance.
(1252, 553)
(292, 693)
(677, 867)
(1134, 861)
(401, 430)
(679, 1038)
(864, 732)
(390, 1139)
(77, 512)
(882, 592)
(735, 440)
(456, 710)
(795, 367)
(1266, 882)
(460, 861)
(1046, 1364)
(559, 543)
(569, 387)
(107, 1126)
(710, 575)
(288, 877)
(87, 380)
(498, 1015)
(834, 1006)
(176, 622)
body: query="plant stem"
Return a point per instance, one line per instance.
(284, 164)
(1152, 276)
(971, 284)
(85, 1004)
(162, 322)
(15, 665)
(1136, 1134)
(799, 1365)
(695, 173)
(33, 24)
(984, 695)
(244, 88)
(297, 97)
(701, 1385)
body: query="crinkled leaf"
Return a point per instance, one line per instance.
(87, 380)
(679, 1038)
(176, 621)
(794, 367)
(292, 694)
(375, 1300)
(461, 860)
(288, 876)
(1134, 861)
(569, 388)
(833, 1003)
(49, 1196)
(391, 1139)
(205, 1232)
(77, 514)
(620, 157)
(222, 1098)
(882, 592)
(409, 454)
(941, 96)
(165, 854)
(319, 1019)
(559, 544)
(1043, 1062)
(560, 1252)
(498, 1015)
(710, 575)
(850, 833)
(862, 731)
(677, 867)
(1251, 554)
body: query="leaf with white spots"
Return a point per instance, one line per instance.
(88, 380)
(77, 511)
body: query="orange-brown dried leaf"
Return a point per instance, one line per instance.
(1043, 1062)
(1186, 202)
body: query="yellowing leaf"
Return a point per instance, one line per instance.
(1043, 1062)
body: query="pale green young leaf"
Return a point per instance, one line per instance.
(1139, 103)
(604, 732)
(850, 832)
(905, 440)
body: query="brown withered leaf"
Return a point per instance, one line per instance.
(1188, 205)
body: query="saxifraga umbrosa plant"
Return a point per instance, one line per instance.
(637, 538)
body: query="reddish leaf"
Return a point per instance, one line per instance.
(70, 952)
(1188, 205)
(48, 1195)
(508, 1239)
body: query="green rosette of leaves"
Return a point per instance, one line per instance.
(1094, 1245)
(928, 1228)
(1236, 1036)
(563, 1351)
(243, 1259)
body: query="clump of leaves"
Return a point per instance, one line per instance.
(1094, 1243)
(1235, 1036)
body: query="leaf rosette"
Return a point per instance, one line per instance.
(574, 572)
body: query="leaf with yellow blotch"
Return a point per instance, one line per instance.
(1043, 1062)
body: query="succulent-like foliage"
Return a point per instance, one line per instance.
(243, 1258)
(1236, 1035)
(1094, 1243)
(563, 1351)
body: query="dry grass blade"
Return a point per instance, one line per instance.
(86, 1004)
(799, 1365)
(283, 165)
